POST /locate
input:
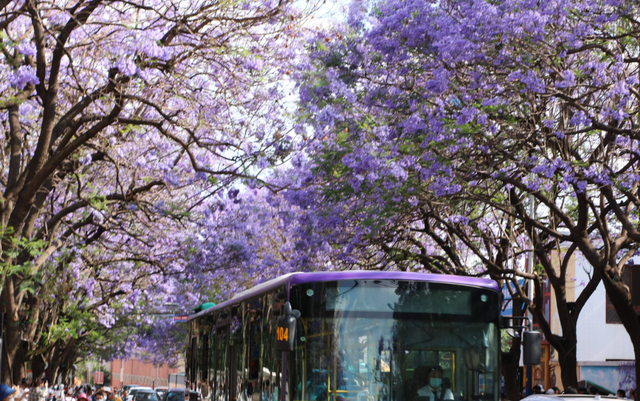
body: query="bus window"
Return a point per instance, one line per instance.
(237, 383)
(189, 358)
(194, 366)
(272, 365)
(384, 340)
(222, 360)
(204, 361)
(213, 380)
(416, 366)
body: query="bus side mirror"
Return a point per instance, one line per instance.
(286, 331)
(531, 348)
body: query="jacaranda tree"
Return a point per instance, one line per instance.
(480, 131)
(120, 120)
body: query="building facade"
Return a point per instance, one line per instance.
(128, 372)
(604, 350)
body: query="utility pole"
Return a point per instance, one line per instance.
(528, 368)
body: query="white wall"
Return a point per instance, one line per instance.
(597, 340)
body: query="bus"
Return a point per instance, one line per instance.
(349, 336)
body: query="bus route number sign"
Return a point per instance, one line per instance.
(286, 331)
(283, 334)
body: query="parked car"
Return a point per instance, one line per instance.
(161, 391)
(127, 387)
(134, 390)
(177, 394)
(146, 395)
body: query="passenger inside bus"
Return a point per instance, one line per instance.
(435, 387)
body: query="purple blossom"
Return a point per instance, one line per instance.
(126, 67)
(582, 186)
(580, 119)
(444, 186)
(568, 79)
(253, 64)
(459, 219)
(27, 48)
(23, 76)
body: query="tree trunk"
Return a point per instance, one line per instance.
(37, 365)
(6, 370)
(510, 364)
(62, 358)
(19, 365)
(636, 351)
(11, 333)
(568, 360)
(565, 345)
(54, 365)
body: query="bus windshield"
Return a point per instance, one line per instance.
(389, 340)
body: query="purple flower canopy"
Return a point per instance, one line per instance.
(162, 164)
(125, 121)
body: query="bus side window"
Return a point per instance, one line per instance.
(194, 358)
(223, 360)
(269, 348)
(273, 382)
(253, 341)
(223, 366)
(204, 360)
(237, 386)
(187, 365)
(213, 384)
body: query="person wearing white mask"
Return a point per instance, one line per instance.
(434, 389)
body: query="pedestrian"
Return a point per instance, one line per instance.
(82, 397)
(90, 396)
(23, 391)
(59, 392)
(69, 395)
(556, 390)
(621, 393)
(108, 393)
(100, 396)
(39, 390)
(49, 389)
(537, 389)
(632, 394)
(7, 393)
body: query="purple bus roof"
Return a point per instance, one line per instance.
(300, 278)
